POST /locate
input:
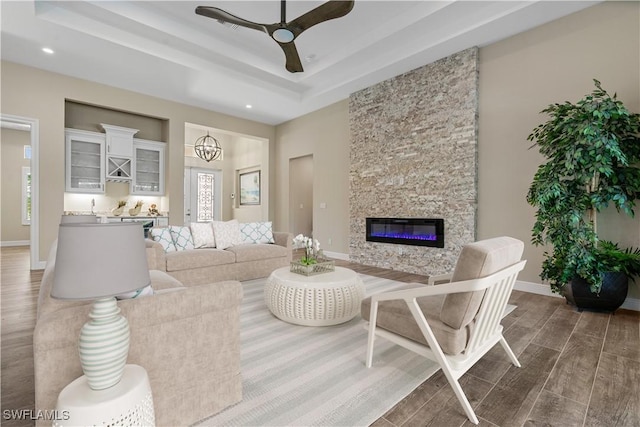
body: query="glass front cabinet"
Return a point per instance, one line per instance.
(148, 168)
(85, 153)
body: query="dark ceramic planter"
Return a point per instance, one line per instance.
(612, 295)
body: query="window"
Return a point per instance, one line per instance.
(26, 195)
(27, 152)
(205, 197)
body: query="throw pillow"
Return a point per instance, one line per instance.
(143, 292)
(163, 236)
(181, 237)
(202, 233)
(257, 232)
(227, 233)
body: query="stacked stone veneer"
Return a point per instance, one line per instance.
(414, 154)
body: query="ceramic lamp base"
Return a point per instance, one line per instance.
(104, 344)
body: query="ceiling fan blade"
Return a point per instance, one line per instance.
(293, 64)
(330, 10)
(221, 15)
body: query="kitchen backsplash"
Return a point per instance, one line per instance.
(103, 203)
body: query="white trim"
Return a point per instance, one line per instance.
(631, 304)
(540, 289)
(10, 243)
(337, 255)
(26, 172)
(534, 288)
(34, 241)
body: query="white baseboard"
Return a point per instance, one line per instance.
(337, 255)
(9, 243)
(540, 289)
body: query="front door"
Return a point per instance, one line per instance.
(202, 195)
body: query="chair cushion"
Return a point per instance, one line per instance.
(477, 260)
(396, 317)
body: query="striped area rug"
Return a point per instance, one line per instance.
(316, 376)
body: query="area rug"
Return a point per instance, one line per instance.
(316, 376)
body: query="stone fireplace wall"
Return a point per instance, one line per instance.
(414, 154)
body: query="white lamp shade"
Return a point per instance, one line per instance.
(99, 260)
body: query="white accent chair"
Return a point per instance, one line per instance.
(453, 324)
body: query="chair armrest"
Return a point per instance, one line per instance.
(451, 288)
(435, 280)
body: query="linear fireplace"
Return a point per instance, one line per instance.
(407, 231)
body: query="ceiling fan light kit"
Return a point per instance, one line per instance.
(284, 33)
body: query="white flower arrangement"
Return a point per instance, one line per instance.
(311, 248)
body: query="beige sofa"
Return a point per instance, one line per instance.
(186, 337)
(241, 262)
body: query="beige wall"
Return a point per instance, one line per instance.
(325, 135)
(519, 77)
(34, 93)
(301, 196)
(12, 144)
(522, 75)
(249, 156)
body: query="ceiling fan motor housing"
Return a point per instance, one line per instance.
(284, 33)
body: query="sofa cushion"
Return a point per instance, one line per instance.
(162, 235)
(202, 233)
(396, 317)
(257, 232)
(182, 238)
(257, 251)
(185, 260)
(227, 233)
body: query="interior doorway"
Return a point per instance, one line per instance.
(30, 125)
(202, 195)
(301, 195)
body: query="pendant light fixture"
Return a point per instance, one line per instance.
(208, 148)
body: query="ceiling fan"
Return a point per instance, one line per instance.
(283, 32)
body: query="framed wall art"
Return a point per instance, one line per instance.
(250, 188)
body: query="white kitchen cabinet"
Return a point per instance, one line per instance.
(119, 146)
(84, 163)
(148, 168)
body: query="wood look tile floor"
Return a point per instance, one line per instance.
(578, 369)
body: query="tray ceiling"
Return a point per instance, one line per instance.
(162, 48)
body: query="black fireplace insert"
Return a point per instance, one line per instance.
(407, 231)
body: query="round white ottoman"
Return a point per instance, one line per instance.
(321, 300)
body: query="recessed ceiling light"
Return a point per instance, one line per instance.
(47, 50)
(249, 106)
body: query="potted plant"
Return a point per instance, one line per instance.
(593, 151)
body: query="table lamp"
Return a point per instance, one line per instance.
(97, 262)
(68, 219)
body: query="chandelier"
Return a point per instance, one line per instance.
(208, 148)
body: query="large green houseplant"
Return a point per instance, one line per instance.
(593, 151)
